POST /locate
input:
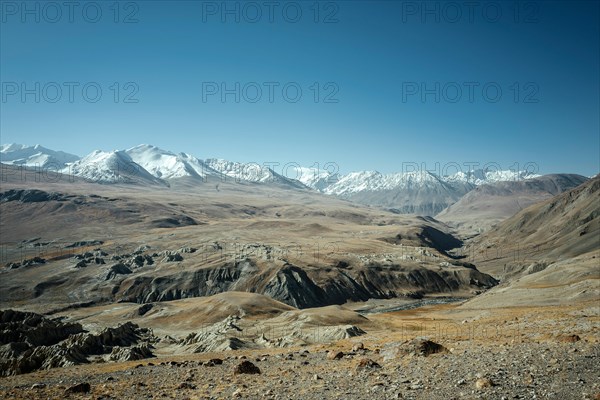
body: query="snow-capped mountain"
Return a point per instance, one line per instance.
(250, 172)
(375, 181)
(164, 164)
(110, 167)
(356, 182)
(35, 156)
(484, 177)
(420, 192)
(315, 178)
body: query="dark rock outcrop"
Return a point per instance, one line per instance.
(84, 243)
(173, 222)
(33, 329)
(118, 269)
(304, 287)
(29, 342)
(26, 263)
(246, 367)
(30, 196)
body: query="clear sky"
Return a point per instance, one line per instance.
(383, 82)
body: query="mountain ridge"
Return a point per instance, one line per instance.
(417, 192)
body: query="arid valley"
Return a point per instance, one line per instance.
(207, 289)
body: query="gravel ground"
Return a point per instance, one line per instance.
(560, 370)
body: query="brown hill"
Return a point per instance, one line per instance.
(488, 205)
(564, 226)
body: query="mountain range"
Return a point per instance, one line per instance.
(417, 192)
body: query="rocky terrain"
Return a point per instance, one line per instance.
(30, 342)
(430, 354)
(196, 291)
(100, 244)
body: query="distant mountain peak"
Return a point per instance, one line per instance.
(114, 166)
(165, 164)
(35, 156)
(486, 176)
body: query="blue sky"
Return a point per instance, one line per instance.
(387, 77)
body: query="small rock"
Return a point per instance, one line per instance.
(335, 355)
(427, 347)
(570, 338)
(368, 363)
(79, 388)
(246, 367)
(316, 377)
(483, 383)
(358, 346)
(528, 379)
(38, 386)
(173, 258)
(213, 361)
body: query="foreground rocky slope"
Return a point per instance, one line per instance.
(513, 354)
(29, 342)
(230, 321)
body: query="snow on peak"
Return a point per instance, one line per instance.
(35, 156)
(480, 176)
(167, 165)
(109, 167)
(314, 178)
(145, 161)
(375, 181)
(251, 172)
(11, 147)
